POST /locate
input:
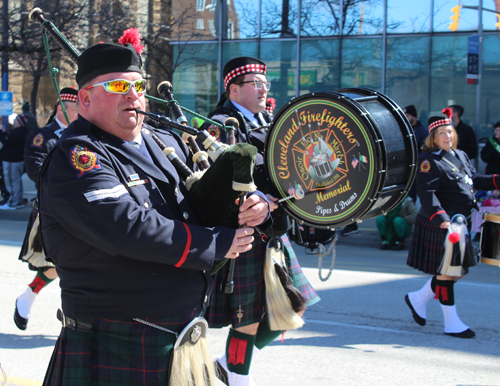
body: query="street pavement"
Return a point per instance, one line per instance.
(360, 333)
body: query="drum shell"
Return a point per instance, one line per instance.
(309, 237)
(490, 240)
(386, 151)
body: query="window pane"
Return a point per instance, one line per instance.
(364, 17)
(195, 78)
(280, 58)
(233, 50)
(320, 18)
(319, 66)
(279, 18)
(490, 98)
(407, 75)
(244, 17)
(448, 74)
(442, 15)
(362, 63)
(404, 19)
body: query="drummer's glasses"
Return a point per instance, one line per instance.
(122, 86)
(259, 84)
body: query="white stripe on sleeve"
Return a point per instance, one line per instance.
(101, 194)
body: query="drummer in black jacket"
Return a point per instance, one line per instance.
(38, 145)
(445, 181)
(245, 99)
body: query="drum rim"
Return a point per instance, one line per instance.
(486, 215)
(378, 148)
(396, 112)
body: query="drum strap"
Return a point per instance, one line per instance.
(494, 144)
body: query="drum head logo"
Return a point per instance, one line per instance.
(320, 157)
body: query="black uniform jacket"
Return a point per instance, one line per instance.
(120, 230)
(491, 157)
(38, 145)
(445, 183)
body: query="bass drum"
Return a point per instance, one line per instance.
(339, 157)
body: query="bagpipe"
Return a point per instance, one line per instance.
(331, 158)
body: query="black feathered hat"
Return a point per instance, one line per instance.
(437, 121)
(104, 58)
(241, 66)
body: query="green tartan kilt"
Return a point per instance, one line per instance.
(115, 353)
(248, 299)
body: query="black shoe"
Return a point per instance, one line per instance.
(349, 229)
(467, 334)
(20, 322)
(221, 373)
(398, 246)
(384, 246)
(421, 321)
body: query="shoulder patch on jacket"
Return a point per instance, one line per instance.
(214, 131)
(83, 160)
(425, 166)
(38, 140)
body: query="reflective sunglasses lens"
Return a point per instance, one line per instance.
(118, 86)
(140, 85)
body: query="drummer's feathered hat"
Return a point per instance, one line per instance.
(437, 121)
(241, 66)
(104, 58)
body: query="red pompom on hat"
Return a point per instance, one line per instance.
(447, 112)
(132, 36)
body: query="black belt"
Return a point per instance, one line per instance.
(73, 324)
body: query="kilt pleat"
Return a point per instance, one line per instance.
(427, 247)
(115, 353)
(249, 295)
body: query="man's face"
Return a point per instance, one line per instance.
(411, 118)
(114, 113)
(248, 96)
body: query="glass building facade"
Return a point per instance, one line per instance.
(400, 48)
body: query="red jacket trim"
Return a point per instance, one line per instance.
(496, 186)
(441, 211)
(186, 250)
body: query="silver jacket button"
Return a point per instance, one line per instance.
(185, 215)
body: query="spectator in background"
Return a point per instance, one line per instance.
(421, 134)
(396, 225)
(490, 153)
(13, 162)
(466, 136)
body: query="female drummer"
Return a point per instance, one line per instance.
(445, 180)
